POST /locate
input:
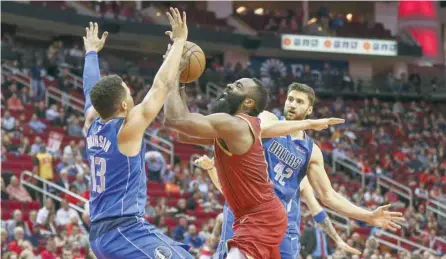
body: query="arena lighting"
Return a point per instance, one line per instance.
(259, 11)
(349, 17)
(241, 9)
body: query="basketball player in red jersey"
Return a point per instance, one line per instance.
(235, 132)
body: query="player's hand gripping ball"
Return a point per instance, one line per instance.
(193, 62)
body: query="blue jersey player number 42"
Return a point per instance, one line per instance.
(114, 129)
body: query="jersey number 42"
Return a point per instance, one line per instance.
(282, 173)
(98, 187)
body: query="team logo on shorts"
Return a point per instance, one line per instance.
(162, 252)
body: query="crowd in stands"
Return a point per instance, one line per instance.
(404, 141)
(277, 20)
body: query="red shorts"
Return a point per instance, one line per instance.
(259, 234)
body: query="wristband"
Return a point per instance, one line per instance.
(321, 216)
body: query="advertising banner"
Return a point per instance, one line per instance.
(339, 45)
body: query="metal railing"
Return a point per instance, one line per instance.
(379, 235)
(167, 148)
(436, 207)
(58, 96)
(25, 177)
(348, 163)
(400, 189)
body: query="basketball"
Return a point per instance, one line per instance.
(196, 62)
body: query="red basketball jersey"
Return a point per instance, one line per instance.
(244, 178)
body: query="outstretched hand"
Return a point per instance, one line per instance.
(178, 23)
(322, 124)
(382, 217)
(345, 247)
(91, 40)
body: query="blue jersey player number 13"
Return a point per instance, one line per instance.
(114, 128)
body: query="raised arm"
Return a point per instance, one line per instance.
(91, 74)
(320, 216)
(277, 128)
(320, 182)
(140, 117)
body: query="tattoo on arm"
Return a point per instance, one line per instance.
(328, 228)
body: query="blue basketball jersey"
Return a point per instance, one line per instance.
(287, 163)
(293, 210)
(118, 182)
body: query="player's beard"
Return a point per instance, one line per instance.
(293, 116)
(227, 102)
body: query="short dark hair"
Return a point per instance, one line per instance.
(303, 88)
(261, 98)
(107, 94)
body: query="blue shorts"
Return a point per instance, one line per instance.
(133, 237)
(289, 248)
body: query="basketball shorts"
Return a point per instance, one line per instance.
(258, 233)
(289, 247)
(133, 237)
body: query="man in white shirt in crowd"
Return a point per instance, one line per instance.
(65, 213)
(156, 165)
(8, 122)
(43, 213)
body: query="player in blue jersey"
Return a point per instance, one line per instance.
(290, 246)
(115, 148)
(292, 157)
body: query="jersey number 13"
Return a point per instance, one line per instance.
(94, 161)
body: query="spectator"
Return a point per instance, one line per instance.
(36, 125)
(24, 146)
(180, 230)
(53, 115)
(156, 165)
(44, 164)
(16, 191)
(5, 195)
(69, 152)
(35, 147)
(192, 239)
(78, 236)
(25, 96)
(17, 220)
(67, 253)
(32, 221)
(149, 210)
(50, 251)
(74, 129)
(8, 122)
(19, 237)
(40, 110)
(64, 214)
(4, 241)
(181, 207)
(37, 84)
(63, 181)
(314, 243)
(44, 212)
(80, 183)
(14, 103)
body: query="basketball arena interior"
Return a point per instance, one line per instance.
(378, 65)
